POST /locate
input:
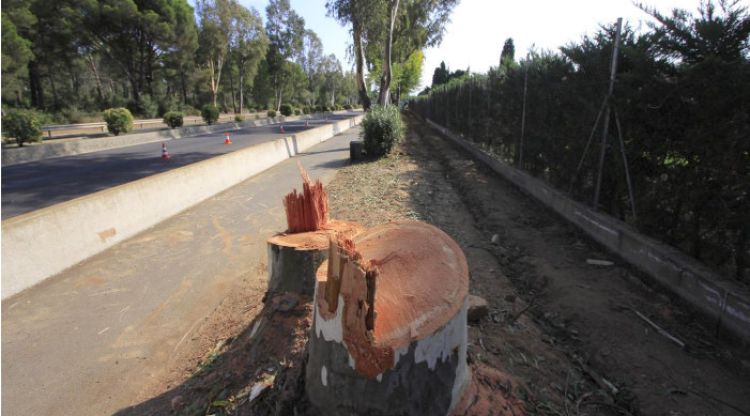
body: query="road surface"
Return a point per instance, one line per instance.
(30, 186)
(87, 341)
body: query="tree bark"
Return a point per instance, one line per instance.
(35, 85)
(359, 55)
(389, 335)
(385, 79)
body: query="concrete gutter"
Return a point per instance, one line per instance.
(721, 300)
(42, 243)
(30, 153)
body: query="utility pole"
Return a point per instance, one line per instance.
(605, 132)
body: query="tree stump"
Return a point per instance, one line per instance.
(389, 331)
(293, 258)
(355, 150)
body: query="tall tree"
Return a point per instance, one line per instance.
(249, 43)
(216, 17)
(134, 35)
(508, 53)
(364, 16)
(285, 29)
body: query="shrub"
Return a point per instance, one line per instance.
(348, 107)
(22, 125)
(382, 128)
(238, 118)
(286, 109)
(173, 119)
(271, 113)
(119, 120)
(297, 111)
(307, 109)
(210, 113)
(146, 107)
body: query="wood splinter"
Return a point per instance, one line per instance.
(295, 255)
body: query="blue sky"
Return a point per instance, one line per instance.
(478, 28)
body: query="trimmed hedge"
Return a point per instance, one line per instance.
(173, 119)
(382, 128)
(22, 125)
(210, 113)
(119, 120)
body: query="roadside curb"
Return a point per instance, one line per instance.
(725, 303)
(15, 156)
(42, 243)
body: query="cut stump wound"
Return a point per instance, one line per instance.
(389, 332)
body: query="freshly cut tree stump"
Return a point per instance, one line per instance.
(389, 331)
(294, 258)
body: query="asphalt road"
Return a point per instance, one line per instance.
(92, 340)
(31, 186)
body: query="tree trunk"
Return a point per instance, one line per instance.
(385, 79)
(359, 55)
(97, 79)
(35, 85)
(231, 89)
(389, 334)
(183, 86)
(242, 86)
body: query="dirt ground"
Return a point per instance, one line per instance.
(563, 337)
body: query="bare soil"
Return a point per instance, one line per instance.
(563, 337)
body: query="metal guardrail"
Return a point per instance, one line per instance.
(137, 124)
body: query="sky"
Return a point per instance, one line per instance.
(478, 28)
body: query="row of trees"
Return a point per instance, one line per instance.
(681, 100)
(78, 56)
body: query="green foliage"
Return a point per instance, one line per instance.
(347, 107)
(271, 113)
(210, 113)
(22, 125)
(173, 119)
(119, 120)
(681, 101)
(286, 109)
(382, 128)
(238, 118)
(297, 111)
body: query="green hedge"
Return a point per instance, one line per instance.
(173, 119)
(119, 120)
(382, 128)
(210, 113)
(23, 126)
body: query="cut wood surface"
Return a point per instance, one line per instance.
(294, 258)
(389, 334)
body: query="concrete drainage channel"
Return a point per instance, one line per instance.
(42, 243)
(67, 148)
(716, 297)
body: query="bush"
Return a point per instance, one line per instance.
(307, 109)
(146, 107)
(297, 111)
(348, 107)
(22, 125)
(173, 119)
(238, 118)
(119, 120)
(383, 128)
(210, 113)
(286, 109)
(271, 113)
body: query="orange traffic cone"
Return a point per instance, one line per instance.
(226, 138)
(281, 128)
(164, 152)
